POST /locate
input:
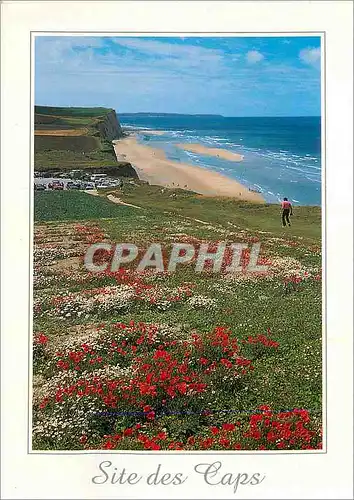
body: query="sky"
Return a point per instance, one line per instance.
(230, 76)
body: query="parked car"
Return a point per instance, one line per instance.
(88, 185)
(56, 185)
(73, 185)
(97, 177)
(75, 174)
(40, 187)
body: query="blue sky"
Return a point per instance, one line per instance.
(231, 76)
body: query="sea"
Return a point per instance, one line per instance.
(282, 155)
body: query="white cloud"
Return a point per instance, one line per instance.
(66, 51)
(253, 56)
(137, 74)
(170, 50)
(70, 55)
(310, 55)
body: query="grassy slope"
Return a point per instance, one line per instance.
(72, 205)
(287, 378)
(226, 211)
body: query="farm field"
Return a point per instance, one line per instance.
(62, 132)
(80, 144)
(175, 360)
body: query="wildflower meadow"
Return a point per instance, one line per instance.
(175, 360)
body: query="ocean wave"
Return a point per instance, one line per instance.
(182, 131)
(314, 180)
(298, 169)
(288, 166)
(312, 166)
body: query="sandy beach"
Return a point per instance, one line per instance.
(218, 152)
(152, 166)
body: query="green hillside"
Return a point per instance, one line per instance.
(175, 360)
(71, 111)
(74, 138)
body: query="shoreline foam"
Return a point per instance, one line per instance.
(152, 165)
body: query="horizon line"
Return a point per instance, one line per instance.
(177, 113)
(215, 114)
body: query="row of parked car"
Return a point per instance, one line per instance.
(60, 186)
(98, 181)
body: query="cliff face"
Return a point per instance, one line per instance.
(62, 143)
(110, 128)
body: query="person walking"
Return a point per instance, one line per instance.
(287, 210)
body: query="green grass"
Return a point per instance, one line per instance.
(67, 152)
(51, 122)
(68, 160)
(286, 378)
(306, 221)
(74, 205)
(71, 111)
(81, 144)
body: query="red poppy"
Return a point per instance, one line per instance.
(206, 443)
(182, 387)
(226, 363)
(264, 408)
(191, 440)
(281, 445)
(224, 442)
(108, 445)
(41, 338)
(44, 403)
(228, 427)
